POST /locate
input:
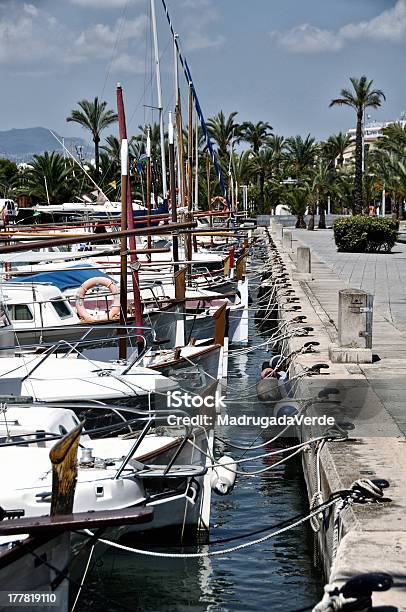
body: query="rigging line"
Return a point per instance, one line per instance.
(198, 108)
(83, 578)
(123, 19)
(143, 95)
(62, 574)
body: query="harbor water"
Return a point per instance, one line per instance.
(277, 575)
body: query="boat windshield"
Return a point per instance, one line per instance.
(62, 308)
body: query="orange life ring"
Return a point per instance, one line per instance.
(89, 284)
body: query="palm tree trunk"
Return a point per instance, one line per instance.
(300, 222)
(310, 225)
(96, 141)
(322, 218)
(262, 191)
(358, 199)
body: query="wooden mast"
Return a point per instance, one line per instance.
(130, 219)
(172, 183)
(123, 247)
(190, 150)
(148, 153)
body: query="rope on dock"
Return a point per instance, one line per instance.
(361, 491)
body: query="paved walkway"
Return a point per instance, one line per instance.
(380, 274)
(385, 277)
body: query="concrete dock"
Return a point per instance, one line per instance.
(371, 537)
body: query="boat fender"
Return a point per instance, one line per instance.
(267, 373)
(288, 409)
(89, 284)
(223, 476)
(269, 390)
(276, 361)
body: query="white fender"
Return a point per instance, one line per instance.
(223, 476)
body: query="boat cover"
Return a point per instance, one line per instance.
(69, 278)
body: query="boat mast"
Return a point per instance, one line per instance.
(148, 154)
(159, 93)
(178, 157)
(130, 220)
(172, 183)
(196, 200)
(123, 247)
(190, 150)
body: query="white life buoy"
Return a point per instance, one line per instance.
(89, 284)
(222, 202)
(223, 476)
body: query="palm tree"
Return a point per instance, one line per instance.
(301, 153)
(297, 201)
(261, 165)
(256, 134)
(361, 97)
(48, 178)
(335, 147)
(319, 185)
(113, 148)
(223, 130)
(242, 166)
(94, 117)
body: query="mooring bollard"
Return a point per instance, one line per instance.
(287, 240)
(303, 260)
(278, 231)
(355, 312)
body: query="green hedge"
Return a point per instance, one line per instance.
(362, 234)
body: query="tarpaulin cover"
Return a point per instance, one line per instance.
(66, 279)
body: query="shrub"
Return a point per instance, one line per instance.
(361, 234)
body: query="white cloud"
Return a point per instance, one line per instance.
(127, 63)
(28, 36)
(389, 26)
(48, 45)
(198, 20)
(104, 4)
(100, 40)
(198, 40)
(307, 38)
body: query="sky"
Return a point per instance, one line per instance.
(280, 61)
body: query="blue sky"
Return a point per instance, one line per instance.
(276, 60)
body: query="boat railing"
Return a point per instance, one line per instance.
(150, 418)
(53, 348)
(129, 332)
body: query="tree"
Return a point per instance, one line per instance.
(223, 130)
(361, 97)
(261, 165)
(301, 153)
(297, 201)
(8, 176)
(335, 147)
(256, 134)
(94, 117)
(319, 185)
(112, 148)
(49, 178)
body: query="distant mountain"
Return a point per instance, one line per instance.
(21, 144)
